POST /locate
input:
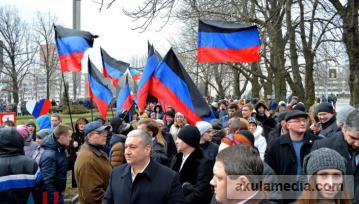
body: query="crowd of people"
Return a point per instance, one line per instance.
(155, 156)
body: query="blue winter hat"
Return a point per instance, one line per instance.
(95, 126)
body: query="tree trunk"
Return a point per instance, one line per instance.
(256, 88)
(351, 40)
(309, 81)
(236, 83)
(218, 79)
(295, 84)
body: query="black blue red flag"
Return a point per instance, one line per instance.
(126, 96)
(228, 42)
(153, 60)
(171, 84)
(99, 88)
(71, 45)
(113, 68)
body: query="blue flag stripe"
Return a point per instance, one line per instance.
(72, 44)
(174, 83)
(124, 93)
(150, 67)
(236, 40)
(100, 91)
(113, 71)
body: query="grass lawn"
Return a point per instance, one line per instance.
(21, 120)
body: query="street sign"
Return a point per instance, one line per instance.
(7, 116)
(332, 74)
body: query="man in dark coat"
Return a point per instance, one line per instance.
(19, 174)
(53, 162)
(327, 118)
(285, 155)
(346, 143)
(142, 180)
(195, 170)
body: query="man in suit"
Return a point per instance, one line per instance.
(195, 170)
(346, 143)
(142, 180)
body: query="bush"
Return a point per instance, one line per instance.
(75, 109)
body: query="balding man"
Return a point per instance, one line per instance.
(142, 180)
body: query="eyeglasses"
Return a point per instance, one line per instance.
(298, 121)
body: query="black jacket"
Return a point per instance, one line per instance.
(281, 157)
(159, 153)
(197, 171)
(329, 128)
(157, 184)
(13, 162)
(339, 144)
(53, 164)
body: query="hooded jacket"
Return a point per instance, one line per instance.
(19, 174)
(53, 164)
(260, 142)
(30, 146)
(329, 128)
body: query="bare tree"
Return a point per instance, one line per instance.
(350, 19)
(43, 27)
(19, 52)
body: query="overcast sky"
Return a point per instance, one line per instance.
(111, 25)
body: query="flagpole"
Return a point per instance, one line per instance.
(91, 108)
(68, 100)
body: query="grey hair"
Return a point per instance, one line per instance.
(146, 138)
(352, 122)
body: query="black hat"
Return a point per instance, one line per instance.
(281, 116)
(295, 114)
(248, 135)
(190, 135)
(299, 106)
(170, 113)
(325, 107)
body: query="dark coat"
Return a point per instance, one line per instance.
(13, 162)
(157, 184)
(281, 157)
(53, 164)
(275, 133)
(197, 170)
(339, 144)
(171, 146)
(159, 153)
(209, 150)
(329, 128)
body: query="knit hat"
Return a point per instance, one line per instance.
(30, 122)
(252, 120)
(343, 113)
(281, 116)
(248, 135)
(323, 158)
(325, 107)
(170, 114)
(216, 124)
(190, 135)
(203, 126)
(299, 106)
(22, 130)
(43, 133)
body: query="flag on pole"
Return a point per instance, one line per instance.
(135, 74)
(113, 68)
(171, 84)
(143, 86)
(99, 89)
(126, 96)
(227, 42)
(71, 45)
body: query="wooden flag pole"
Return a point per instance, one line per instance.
(68, 100)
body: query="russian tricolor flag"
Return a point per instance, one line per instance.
(113, 68)
(99, 88)
(143, 86)
(71, 45)
(171, 84)
(227, 42)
